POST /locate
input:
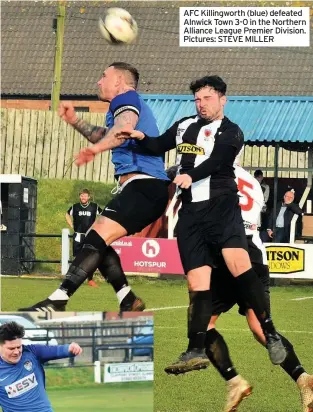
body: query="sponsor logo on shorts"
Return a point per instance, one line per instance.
(21, 386)
(109, 210)
(285, 259)
(187, 148)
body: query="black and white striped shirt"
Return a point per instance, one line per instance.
(206, 151)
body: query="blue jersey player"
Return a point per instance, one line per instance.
(142, 190)
(22, 377)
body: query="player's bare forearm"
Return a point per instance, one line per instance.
(110, 140)
(69, 220)
(90, 132)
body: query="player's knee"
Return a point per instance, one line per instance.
(198, 280)
(237, 261)
(94, 241)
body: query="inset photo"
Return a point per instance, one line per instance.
(76, 362)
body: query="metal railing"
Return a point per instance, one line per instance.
(98, 338)
(65, 249)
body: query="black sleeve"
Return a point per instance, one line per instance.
(69, 210)
(99, 210)
(295, 208)
(224, 153)
(270, 221)
(163, 143)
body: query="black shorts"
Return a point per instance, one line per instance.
(223, 286)
(257, 252)
(140, 203)
(205, 228)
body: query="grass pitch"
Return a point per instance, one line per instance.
(130, 397)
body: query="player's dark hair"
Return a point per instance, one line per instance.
(216, 82)
(130, 69)
(258, 173)
(85, 191)
(11, 331)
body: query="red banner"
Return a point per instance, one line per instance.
(149, 255)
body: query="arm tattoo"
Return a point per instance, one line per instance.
(92, 133)
(110, 141)
(127, 117)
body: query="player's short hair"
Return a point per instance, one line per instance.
(258, 173)
(11, 331)
(132, 71)
(215, 82)
(84, 191)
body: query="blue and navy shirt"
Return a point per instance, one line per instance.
(22, 385)
(130, 156)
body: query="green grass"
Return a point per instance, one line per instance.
(74, 390)
(57, 377)
(21, 292)
(130, 397)
(54, 198)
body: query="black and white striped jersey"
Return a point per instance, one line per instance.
(206, 151)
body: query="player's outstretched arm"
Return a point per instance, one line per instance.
(110, 140)
(224, 152)
(154, 145)
(68, 219)
(46, 353)
(92, 133)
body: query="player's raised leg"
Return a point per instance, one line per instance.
(250, 289)
(102, 234)
(291, 365)
(111, 269)
(199, 313)
(217, 351)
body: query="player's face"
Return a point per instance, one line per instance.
(84, 198)
(209, 103)
(11, 350)
(259, 178)
(108, 84)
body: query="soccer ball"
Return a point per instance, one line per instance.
(118, 26)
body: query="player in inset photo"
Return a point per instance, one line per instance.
(22, 377)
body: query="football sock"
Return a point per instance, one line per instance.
(84, 264)
(291, 364)
(111, 269)
(199, 315)
(59, 295)
(217, 351)
(251, 291)
(90, 276)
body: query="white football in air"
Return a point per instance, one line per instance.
(118, 26)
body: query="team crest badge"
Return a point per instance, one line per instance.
(28, 365)
(207, 134)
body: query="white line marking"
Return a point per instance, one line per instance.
(167, 308)
(308, 297)
(238, 330)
